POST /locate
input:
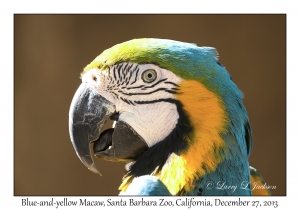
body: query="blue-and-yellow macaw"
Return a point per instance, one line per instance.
(179, 120)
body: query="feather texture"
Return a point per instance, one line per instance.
(212, 138)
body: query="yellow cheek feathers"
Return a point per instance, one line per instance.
(208, 118)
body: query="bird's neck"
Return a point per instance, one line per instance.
(207, 116)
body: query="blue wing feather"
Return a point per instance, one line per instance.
(146, 185)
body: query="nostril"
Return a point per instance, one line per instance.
(115, 116)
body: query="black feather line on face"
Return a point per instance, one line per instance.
(147, 93)
(114, 71)
(137, 72)
(131, 72)
(158, 154)
(119, 66)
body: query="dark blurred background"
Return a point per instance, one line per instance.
(50, 51)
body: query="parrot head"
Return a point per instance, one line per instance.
(177, 114)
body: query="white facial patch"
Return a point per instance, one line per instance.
(152, 121)
(142, 95)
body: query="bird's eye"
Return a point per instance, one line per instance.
(149, 75)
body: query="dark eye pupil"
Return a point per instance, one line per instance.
(149, 75)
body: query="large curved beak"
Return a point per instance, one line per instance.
(88, 113)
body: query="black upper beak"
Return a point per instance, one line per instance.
(88, 113)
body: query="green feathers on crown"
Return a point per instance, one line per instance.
(184, 59)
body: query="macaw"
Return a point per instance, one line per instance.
(179, 120)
